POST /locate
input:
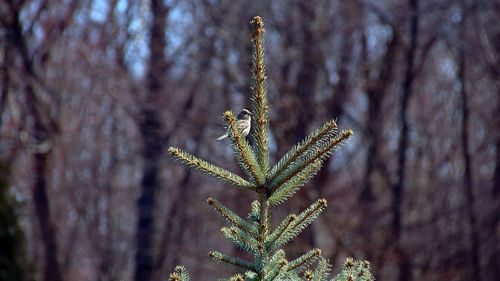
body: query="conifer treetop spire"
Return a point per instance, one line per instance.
(255, 234)
(260, 107)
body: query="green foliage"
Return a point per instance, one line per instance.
(328, 130)
(311, 159)
(233, 218)
(354, 271)
(260, 108)
(297, 225)
(255, 233)
(179, 274)
(210, 169)
(11, 236)
(243, 153)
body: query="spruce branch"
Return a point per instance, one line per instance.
(319, 153)
(276, 265)
(241, 239)
(220, 257)
(179, 274)
(310, 213)
(286, 223)
(251, 276)
(304, 219)
(260, 107)
(322, 270)
(206, 167)
(279, 254)
(254, 214)
(242, 151)
(308, 275)
(276, 271)
(327, 130)
(237, 277)
(355, 270)
(304, 260)
(280, 193)
(233, 218)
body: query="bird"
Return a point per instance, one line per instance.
(244, 122)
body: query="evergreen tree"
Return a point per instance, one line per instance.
(273, 185)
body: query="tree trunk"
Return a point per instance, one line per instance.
(404, 273)
(150, 128)
(4, 70)
(376, 90)
(308, 70)
(40, 197)
(489, 228)
(173, 226)
(495, 221)
(41, 135)
(467, 177)
(339, 96)
(309, 66)
(375, 174)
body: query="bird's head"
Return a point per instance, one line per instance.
(244, 114)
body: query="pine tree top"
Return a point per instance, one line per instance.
(273, 186)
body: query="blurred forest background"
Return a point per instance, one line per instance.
(93, 92)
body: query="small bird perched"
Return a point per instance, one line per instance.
(244, 123)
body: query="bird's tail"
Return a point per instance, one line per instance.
(222, 137)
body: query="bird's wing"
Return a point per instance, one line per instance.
(242, 124)
(222, 137)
